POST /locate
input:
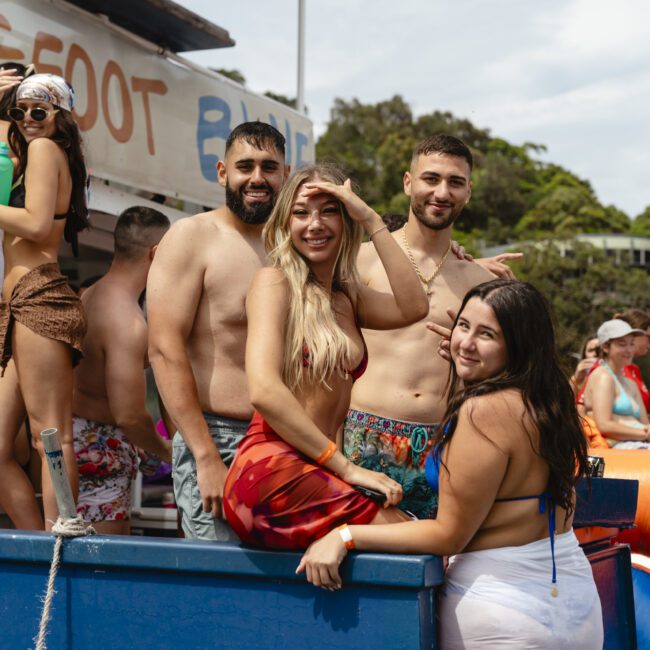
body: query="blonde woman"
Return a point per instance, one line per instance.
(289, 484)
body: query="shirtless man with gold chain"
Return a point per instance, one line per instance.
(397, 403)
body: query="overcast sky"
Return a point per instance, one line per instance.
(573, 75)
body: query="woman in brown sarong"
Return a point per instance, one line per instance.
(41, 319)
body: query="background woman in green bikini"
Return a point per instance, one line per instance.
(614, 400)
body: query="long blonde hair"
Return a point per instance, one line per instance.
(312, 328)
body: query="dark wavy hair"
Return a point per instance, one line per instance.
(259, 135)
(533, 368)
(67, 136)
(443, 143)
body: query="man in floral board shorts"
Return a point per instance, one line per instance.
(110, 418)
(396, 404)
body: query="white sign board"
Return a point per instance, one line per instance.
(147, 121)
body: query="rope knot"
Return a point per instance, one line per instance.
(70, 527)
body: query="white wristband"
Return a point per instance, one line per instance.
(346, 536)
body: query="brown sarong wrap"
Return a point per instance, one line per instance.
(43, 301)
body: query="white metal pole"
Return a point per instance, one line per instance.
(300, 94)
(59, 474)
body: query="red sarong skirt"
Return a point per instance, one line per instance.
(276, 497)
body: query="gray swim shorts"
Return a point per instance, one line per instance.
(226, 433)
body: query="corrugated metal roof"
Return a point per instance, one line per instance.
(162, 22)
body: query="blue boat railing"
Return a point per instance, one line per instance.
(120, 593)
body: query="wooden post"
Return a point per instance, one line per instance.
(59, 474)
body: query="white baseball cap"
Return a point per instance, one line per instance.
(615, 329)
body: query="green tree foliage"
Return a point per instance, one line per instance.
(354, 139)
(641, 224)
(568, 206)
(235, 75)
(585, 287)
(283, 99)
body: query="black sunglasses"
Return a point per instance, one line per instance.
(18, 114)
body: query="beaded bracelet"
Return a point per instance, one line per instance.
(346, 536)
(328, 452)
(374, 232)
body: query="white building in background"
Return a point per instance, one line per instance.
(623, 248)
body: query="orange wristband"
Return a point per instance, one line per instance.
(329, 451)
(346, 536)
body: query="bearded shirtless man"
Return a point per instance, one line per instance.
(196, 297)
(396, 404)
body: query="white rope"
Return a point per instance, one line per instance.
(74, 527)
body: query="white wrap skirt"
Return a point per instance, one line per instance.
(502, 598)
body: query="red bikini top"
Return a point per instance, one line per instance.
(354, 373)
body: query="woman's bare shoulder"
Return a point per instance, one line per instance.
(43, 151)
(269, 289)
(499, 402)
(499, 416)
(601, 377)
(269, 276)
(44, 146)
(268, 299)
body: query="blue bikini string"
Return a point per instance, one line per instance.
(546, 504)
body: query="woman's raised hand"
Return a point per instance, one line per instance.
(357, 208)
(8, 79)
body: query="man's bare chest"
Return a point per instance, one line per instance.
(225, 287)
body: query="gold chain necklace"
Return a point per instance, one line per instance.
(425, 281)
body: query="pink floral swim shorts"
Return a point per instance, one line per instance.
(107, 464)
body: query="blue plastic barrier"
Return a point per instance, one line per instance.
(121, 593)
(610, 504)
(612, 570)
(641, 581)
(124, 593)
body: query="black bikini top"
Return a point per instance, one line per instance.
(17, 198)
